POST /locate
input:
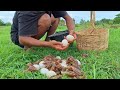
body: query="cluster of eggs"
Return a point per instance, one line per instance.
(44, 70)
(47, 72)
(69, 38)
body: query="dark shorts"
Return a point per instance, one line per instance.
(15, 40)
(24, 24)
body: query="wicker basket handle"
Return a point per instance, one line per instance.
(92, 20)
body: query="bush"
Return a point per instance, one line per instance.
(1, 23)
(8, 24)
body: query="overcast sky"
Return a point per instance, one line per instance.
(7, 16)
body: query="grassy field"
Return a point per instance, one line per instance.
(99, 65)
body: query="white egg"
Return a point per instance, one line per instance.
(69, 37)
(65, 42)
(36, 66)
(44, 71)
(58, 57)
(79, 63)
(41, 64)
(63, 63)
(50, 74)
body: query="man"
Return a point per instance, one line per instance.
(29, 26)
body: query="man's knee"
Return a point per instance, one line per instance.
(44, 21)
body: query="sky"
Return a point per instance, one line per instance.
(7, 16)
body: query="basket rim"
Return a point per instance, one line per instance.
(82, 31)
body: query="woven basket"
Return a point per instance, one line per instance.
(97, 40)
(92, 39)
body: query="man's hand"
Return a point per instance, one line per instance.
(58, 45)
(70, 25)
(29, 41)
(74, 35)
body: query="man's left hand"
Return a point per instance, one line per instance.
(74, 35)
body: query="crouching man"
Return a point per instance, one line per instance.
(30, 26)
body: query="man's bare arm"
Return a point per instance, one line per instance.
(70, 23)
(29, 41)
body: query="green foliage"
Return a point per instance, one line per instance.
(8, 24)
(118, 15)
(4, 24)
(1, 23)
(82, 21)
(117, 19)
(104, 21)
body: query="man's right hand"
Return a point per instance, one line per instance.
(58, 45)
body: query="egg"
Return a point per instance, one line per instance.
(65, 42)
(63, 63)
(69, 37)
(58, 57)
(44, 71)
(79, 63)
(41, 64)
(50, 74)
(36, 66)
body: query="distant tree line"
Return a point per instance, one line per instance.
(116, 20)
(4, 24)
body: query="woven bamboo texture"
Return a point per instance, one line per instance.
(97, 40)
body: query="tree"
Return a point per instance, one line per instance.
(1, 23)
(117, 19)
(8, 24)
(104, 20)
(118, 15)
(82, 21)
(98, 22)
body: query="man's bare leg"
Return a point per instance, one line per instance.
(43, 25)
(54, 25)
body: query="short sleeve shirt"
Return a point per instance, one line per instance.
(26, 22)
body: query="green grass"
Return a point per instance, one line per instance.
(99, 65)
